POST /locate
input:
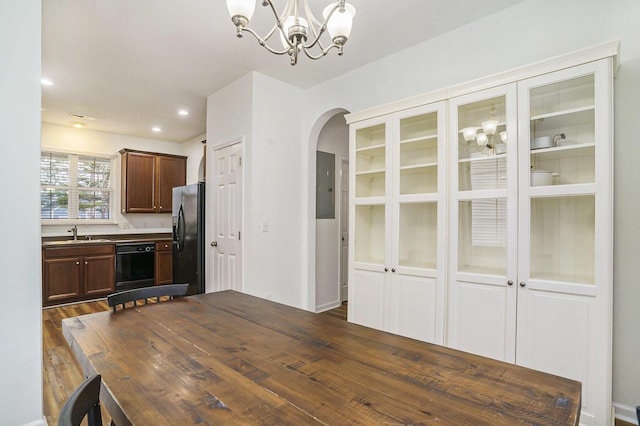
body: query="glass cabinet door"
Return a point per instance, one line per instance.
(562, 132)
(418, 159)
(418, 147)
(482, 145)
(372, 157)
(371, 161)
(558, 175)
(485, 179)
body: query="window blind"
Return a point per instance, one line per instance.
(75, 186)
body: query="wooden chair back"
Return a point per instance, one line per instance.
(158, 291)
(84, 401)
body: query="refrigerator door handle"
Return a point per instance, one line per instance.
(180, 229)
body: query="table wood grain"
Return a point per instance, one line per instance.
(230, 358)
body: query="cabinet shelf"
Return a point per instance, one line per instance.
(372, 174)
(418, 168)
(419, 142)
(565, 150)
(371, 151)
(564, 114)
(483, 158)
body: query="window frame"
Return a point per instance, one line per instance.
(74, 190)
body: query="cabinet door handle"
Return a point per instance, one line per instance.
(393, 269)
(522, 284)
(386, 269)
(86, 263)
(509, 282)
(77, 263)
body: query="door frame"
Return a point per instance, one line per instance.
(309, 263)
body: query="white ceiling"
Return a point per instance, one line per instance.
(132, 64)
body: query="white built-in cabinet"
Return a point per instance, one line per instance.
(502, 249)
(397, 216)
(530, 260)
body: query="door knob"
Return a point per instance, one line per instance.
(214, 244)
(522, 284)
(509, 282)
(386, 269)
(393, 269)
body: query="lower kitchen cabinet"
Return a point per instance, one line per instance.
(70, 274)
(164, 263)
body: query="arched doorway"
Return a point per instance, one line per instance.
(329, 227)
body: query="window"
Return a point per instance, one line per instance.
(74, 186)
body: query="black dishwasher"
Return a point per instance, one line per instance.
(135, 265)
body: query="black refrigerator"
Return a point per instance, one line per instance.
(188, 236)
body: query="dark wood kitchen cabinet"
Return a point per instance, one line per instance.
(77, 273)
(148, 179)
(164, 263)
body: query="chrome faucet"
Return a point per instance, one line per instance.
(74, 230)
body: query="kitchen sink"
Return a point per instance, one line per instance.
(79, 241)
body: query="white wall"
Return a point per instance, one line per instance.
(194, 150)
(334, 139)
(69, 139)
(264, 112)
(525, 33)
(229, 119)
(20, 282)
(276, 190)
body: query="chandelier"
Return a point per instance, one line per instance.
(486, 141)
(297, 33)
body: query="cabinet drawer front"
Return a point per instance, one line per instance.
(85, 250)
(164, 246)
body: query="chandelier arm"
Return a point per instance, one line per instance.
(322, 53)
(279, 19)
(263, 42)
(322, 27)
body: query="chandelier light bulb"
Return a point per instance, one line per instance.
(244, 8)
(339, 24)
(490, 127)
(481, 139)
(503, 136)
(469, 133)
(241, 12)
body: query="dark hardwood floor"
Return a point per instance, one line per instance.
(61, 372)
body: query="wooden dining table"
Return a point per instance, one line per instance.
(231, 358)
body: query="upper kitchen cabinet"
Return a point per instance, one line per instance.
(148, 179)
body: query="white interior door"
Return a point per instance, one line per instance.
(227, 218)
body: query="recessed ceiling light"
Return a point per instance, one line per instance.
(46, 82)
(156, 129)
(183, 112)
(78, 125)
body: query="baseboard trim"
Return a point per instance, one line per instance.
(625, 413)
(41, 422)
(328, 306)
